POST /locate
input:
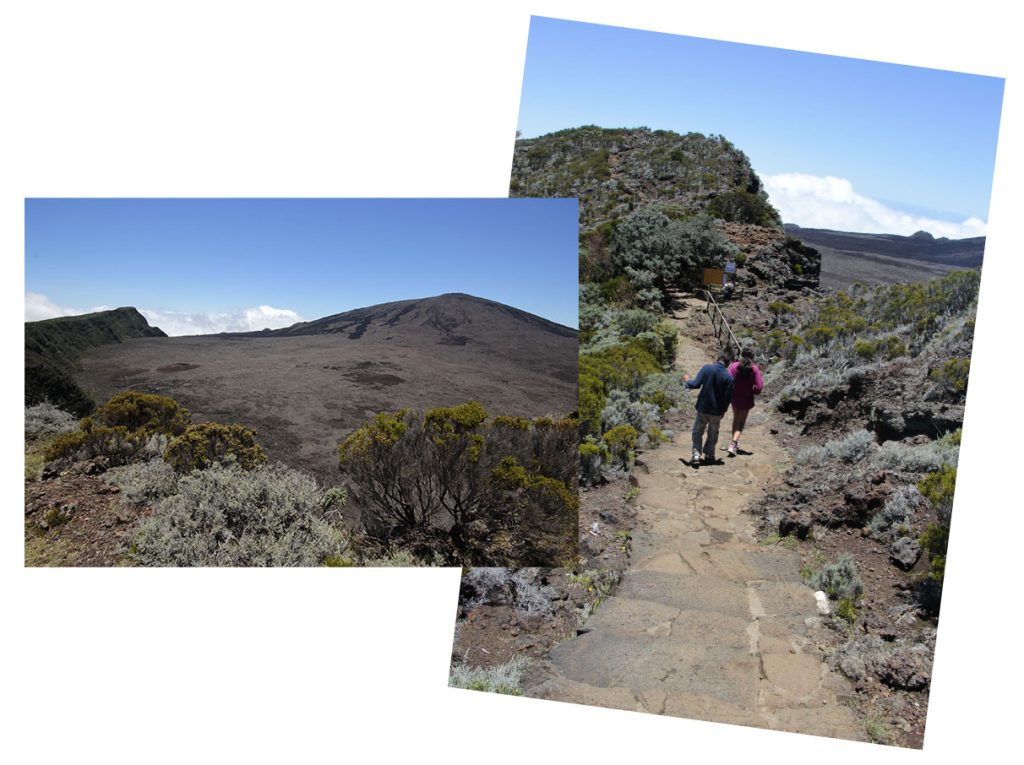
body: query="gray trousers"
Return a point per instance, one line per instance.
(710, 422)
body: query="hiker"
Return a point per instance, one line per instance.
(729, 276)
(747, 383)
(715, 385)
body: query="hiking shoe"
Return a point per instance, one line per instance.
(733, 446)
(709, 459)
(695, 461)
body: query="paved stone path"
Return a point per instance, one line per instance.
(706, 623)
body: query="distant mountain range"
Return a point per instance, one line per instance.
(962, 253)
(453, 318)
(304, 387)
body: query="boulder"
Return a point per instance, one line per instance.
(905, 553)
(905, 668)
(795, 523)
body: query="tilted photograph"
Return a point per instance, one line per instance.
(301, 382)
(779, 265)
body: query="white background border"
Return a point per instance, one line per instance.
(410, 99)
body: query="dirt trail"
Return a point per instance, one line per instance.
(706, 623)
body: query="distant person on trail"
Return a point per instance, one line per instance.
(715, 385)
(747, 384)
(729, 276)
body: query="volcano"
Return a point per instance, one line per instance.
(306, 387)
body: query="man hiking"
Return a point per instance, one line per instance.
(715, 385)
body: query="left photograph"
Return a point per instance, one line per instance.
(301, 382)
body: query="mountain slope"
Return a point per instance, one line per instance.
(612, 171)
(964, 253)
(305, 387)
(455, 318)
(54, 346)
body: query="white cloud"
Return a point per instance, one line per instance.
(176, 323)
(39, 307)
(815, 202)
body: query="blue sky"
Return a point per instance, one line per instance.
(210, 264)
(913, 145)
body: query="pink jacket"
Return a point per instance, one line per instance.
(743, 390)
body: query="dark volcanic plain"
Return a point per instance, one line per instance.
(307, 387)
(848, 257)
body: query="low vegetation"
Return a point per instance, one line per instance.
(207, 443)
(449, 486)
(839, 580)
(883, 323)
(476, 492)
(505, 678)
(227, 516)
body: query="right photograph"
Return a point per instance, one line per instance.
(779, 259)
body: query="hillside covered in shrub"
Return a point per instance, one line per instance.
(656, 209)
(138, 482)
(614, 171)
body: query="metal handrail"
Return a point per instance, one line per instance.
(712, 303)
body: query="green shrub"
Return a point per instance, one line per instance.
(934, 541)
(144, 412)
(200, 446)
(621, 441)
(741, 206)
(618, 291)
(516, 423)
(938, 487)
(780, 308)
(846, 610)
(592, 456)
(623, 366)
(887, 347)
(449, 421)
(474, 493)
(953, 438)
(117, 444)
(902, 317)
(336, 561)
(952, 375)
(333, 498)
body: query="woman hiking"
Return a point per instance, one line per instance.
(747, 383)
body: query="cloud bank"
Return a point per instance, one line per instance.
(39, 307)
(175, 323)
(815, 202)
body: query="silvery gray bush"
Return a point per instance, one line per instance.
(45, 420)
(226, 516)
(839, 580)
(143, 482)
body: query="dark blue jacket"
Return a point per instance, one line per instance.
(715, 385)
